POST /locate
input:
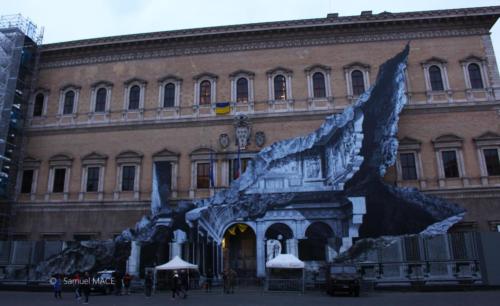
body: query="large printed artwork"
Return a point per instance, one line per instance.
(346, 157)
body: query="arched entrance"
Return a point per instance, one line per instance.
(280, 232)
(239, 250)
(314, 246)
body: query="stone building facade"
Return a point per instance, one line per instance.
(106, 109)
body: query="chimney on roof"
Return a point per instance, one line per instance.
(366, 13)
(332, 16)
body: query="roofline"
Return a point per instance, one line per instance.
(331, 20)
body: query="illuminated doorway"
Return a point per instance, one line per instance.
(239, 250)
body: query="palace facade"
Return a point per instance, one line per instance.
(104, 110)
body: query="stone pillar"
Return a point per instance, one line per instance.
(176, 244)
(292, 247)
(261, 256)
(134, 260)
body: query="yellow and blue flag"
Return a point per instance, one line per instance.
(222, 108)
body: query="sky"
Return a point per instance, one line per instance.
(65, 20)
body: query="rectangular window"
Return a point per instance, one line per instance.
(128, 178)
(82, 237)
(203, 175)
(59, 179)
(92, 179)
(408, 166)
(27, 181)
(492, 161)
(450, 164)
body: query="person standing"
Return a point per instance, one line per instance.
(148, 284)
(57, 287)
(175, 285)
(86, 287)
(225, 281)
(232, 280)
(118, 283)
(126, 283)
(78, 288)
(210, 276)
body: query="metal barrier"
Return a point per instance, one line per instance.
(274, 284)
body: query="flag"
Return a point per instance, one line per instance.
(212, 181)
(222, 108)
(237, 167)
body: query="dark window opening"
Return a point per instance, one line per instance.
(408, 166)
(82, 237)
(27, 181)
(242, 90)
(100, 100)
(69, 100)
(492, 161)
(134, 97)
(128, 178)
(59, 180)
(235, 170)
(279, 87)
(169, 95)
(38, 107)
(476, 80)
(450, 164)
(203, 175)
(92, 179)
(358, 82)
(436, 78)
(319, 88)
(205, 93)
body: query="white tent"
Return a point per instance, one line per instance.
(177, 263)
(284, 262)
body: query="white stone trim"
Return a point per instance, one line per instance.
(482, 162)
(93, 99)
(31, 108)
(161, 92)
(460, 163)
(67, 175)
(444, 77)
(62, 95)
(213, 91)
(418, 164)
(249, 79)
(310, 85)
(100, 187)
(126, 95)
(348, 76)
(289, 94)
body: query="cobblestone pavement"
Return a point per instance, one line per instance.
(256, 298)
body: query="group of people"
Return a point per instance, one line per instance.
(81, 285)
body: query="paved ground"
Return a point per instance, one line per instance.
(255, 298)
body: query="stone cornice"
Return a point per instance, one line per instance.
(410, 109)
(492, 12)
(129, 53)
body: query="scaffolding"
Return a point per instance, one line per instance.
(17, 21)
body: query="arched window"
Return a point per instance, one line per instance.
(100, 100)
(476, 81)
(319, 88)
(205, 93)
(69, 101)
(242, 90)
(358, 82)
(436, 78)
(279, 87)
(169, 95)
(134, 97)
(38, 107)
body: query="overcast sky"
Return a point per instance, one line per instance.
(70, 20)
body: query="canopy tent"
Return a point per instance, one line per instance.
(285, 261)
(175, 263)
(283, 280)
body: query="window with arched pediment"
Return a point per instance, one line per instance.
(436, 78)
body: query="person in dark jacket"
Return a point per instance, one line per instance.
(148, 284)
(57, 287)
(127, 279)
(176, 283)
(86, 281)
